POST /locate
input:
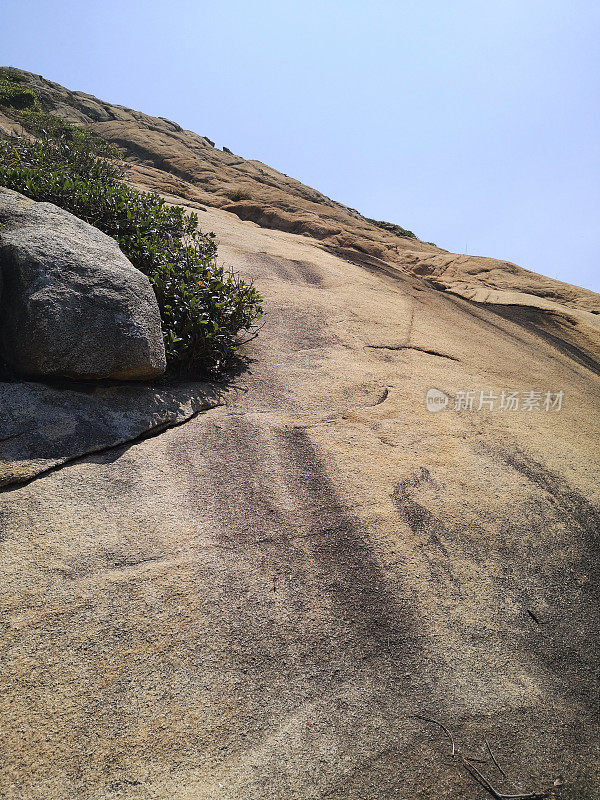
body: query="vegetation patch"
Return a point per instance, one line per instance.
(236, 195)
(204, 308)
(47, 126)
(13, 94)
(391, 227)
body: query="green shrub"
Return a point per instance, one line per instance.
(203, 307)
(12, 95)
(12, 74)
(391, 227)
(41, 124)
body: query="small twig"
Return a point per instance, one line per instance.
(481, 779)
(469, 764)
(492, 756)
(484, 782)
(443, 727)
(254, 335)
(475, 760)
(534, 618)
(449, 735)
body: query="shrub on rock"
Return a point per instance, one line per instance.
(13, 95)
(203, 307)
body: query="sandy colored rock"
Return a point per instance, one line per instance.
(261, 603)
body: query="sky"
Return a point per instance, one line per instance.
(476, 124)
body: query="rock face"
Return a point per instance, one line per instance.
(72, 304)
(267, 601)
(181, 163)
(44, 426)
(257, 604)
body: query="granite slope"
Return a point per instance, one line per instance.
(261, 602)
(286, 596)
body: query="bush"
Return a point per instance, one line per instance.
(14, 96)
(391, 227)
(203, 307)
(238, 194)
(41, 124)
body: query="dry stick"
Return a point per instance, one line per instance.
(443, 727)
(449, 735)
(483, 781)
(500, 770)
(477, 775)
(254, 335)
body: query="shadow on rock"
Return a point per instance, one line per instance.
(43, 425)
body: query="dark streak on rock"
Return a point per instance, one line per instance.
(411, 347)
(570, 648)
(374, 265)
(549, 326)
(576, 509)
(348, 567)
(293, 270)
(422, 522)
(533, 617)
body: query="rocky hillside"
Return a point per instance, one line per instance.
(366, 568)
(164, 156)
(184, 165)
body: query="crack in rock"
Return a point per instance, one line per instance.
(412, 347)
(383, 398)
(150, 433)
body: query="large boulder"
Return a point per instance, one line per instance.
(71, 303)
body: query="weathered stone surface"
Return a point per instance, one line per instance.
(42, 426)
(72, 304)
(187, 165)
(258, 604)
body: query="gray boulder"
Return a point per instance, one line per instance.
(71, 303)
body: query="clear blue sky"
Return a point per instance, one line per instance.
(474, 123)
